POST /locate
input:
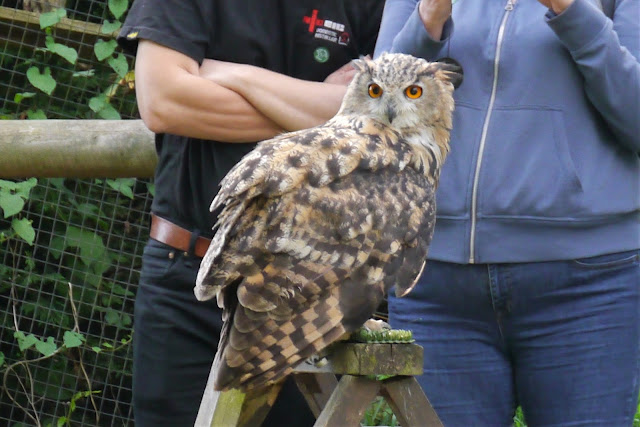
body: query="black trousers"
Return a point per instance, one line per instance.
(175, 339)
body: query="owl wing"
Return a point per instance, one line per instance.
(313, 156)
(300, 268)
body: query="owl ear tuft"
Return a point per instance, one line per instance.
(363, 64)
(452, 70)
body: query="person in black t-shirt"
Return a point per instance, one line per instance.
(212, 78)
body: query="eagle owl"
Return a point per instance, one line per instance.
(316, 225)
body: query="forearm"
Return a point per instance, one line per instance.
(177, 100)
(608, 58)
(291, 103)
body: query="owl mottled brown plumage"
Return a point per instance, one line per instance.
(318, 224)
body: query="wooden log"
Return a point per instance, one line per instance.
(76, 149)
(368, 359)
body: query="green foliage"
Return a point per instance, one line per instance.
(52, 69)
(42, 81)
(104, 49)
(12, 200)
(49, 19)
(379, 414)
(518, 419)
(84, 323)
(66, 420)
(68, 53)
(59, 328)
(118, 7)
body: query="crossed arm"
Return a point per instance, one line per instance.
(228, 102)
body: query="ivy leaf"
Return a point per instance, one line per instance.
(36, 114)
(10, 204)
(73, 339)
(112, 318)
(101, 106)
(151, 187)
(91, 246)
(98, 103)
(18, 97)
(8, 185)
(109, 27)
(123, 185)
(46, 348)
(23, 228)
(23, 188)
(56, 247)
(104, 49)
(42, 81)
(25, 342)
(66, 52)
(109, 113)
(1, 359)
(50, 19)
(118, 7)
(119, 65)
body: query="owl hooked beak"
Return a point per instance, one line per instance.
(391, 113)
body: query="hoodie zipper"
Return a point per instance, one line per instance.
(485, 128)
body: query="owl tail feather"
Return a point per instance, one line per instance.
(403, 289)
(228, 378)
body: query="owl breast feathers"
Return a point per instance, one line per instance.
(317, 225)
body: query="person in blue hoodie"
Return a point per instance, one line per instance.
(531, 293)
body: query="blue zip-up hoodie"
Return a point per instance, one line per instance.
(544, 158)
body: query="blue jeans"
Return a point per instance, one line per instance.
(175, 339)
(561, 339)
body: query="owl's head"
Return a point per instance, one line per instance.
(404, 92)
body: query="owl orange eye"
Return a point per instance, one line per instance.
(375, 91)
(413, 92)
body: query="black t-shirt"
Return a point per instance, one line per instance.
(306, 39)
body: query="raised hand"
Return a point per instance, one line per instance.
(558, 6)
(434, 13)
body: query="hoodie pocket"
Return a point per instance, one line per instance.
(456, 177)
(527, 169)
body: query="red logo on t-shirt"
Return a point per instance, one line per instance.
(326, 29)
(313, 20)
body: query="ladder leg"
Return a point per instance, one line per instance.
(409, 403)
(349, 401)
(316, 389)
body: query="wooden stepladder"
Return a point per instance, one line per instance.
(333, 402)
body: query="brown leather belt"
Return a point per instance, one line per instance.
(175, 236)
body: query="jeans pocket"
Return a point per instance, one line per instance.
(157, 260)
(609, 261)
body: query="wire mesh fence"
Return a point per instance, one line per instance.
(64, 62)
(67, 291)
(72, 292)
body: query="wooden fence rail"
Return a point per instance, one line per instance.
(76, 149)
